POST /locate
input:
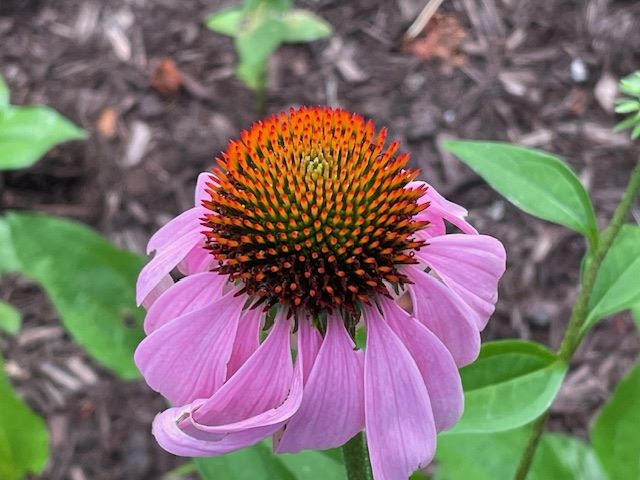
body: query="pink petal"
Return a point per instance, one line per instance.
(309, 341)
(434, 361)
(247, 339)
(174, 440)
(435, 228)
(189, 294)
(471, 266)
(181, 225)
(199, 259)
(444, 313)
(163, 262)
(177, 432)
(399, 422)
(202, 185)
(249, 417)
(332, 409)
(187, 358)
(262, 383)
(441, 208)
(163, 286)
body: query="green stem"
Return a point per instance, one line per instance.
(356, 458)
(573, 335)
(532, 445)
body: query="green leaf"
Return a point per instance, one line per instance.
(617, 287)
(496, 456)
(90, 282)
(27, 133)
(479, 456)
(512, 383)
(561, 456)
(10, 318)
(418, 476)
(615, 435)
(8, 259)
(303, 26)
(628, 123)
(254, 45)
(627, 106)
(310, 465)
(227, 21)
(24, 442)
(259, 27)
(259, 463)
(536, 182)
(4, 93)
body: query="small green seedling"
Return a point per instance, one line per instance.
(258, 27)
(27, 133)
(630, 105)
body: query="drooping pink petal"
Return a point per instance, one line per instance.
(471, 266)
(256, 402)
(440, 208)
(189, 294)
(165, 260)
(309, 341)
(444, 313)
(159, 289)
(247, 339)
(174, 440)
(177, 432)
(332, 409)
(179, 226)
(262, 382)
(398, 419)
(434, 361)
(187, 358)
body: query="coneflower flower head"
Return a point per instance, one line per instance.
(310, 210)
(311, 223)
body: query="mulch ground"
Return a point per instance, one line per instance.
(541, 74)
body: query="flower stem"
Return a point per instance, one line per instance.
(356, 458)
(573, 335)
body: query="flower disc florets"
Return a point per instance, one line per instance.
(310, 209)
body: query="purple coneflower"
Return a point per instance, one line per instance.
(310, 224)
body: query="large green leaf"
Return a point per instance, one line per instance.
(536, 182)
(90, 282)
(496, 455)
(511, 383)
(617, 287)
(10, 319)
(259, 463)
(303, 26)
(24, 442)
(616, 434)
(27, 133)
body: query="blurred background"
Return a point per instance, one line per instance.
(156, 91)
